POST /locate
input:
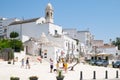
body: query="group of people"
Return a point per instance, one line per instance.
(27, 63)
(58, 65)
(64, 65)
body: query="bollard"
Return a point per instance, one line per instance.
(94, 75)
(106, 74)
(81, 76)
(117, 74)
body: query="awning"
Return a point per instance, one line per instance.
(103, 54)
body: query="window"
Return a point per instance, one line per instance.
(42, 21)
(47, 14)
(55, 32)
(66, 44)
(51, 14)
(5, 30)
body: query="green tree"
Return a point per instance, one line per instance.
(117, 42)
(14, 44)
(4, 43)
(14, 34)
(17, 45)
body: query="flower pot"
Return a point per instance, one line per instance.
(33, 78)
(9, 62)
(14, 78)
(60, 78)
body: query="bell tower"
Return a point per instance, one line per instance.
(49, 13)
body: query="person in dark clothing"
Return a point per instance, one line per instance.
(51, 65)
(27, 63)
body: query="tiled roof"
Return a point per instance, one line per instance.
(83, 31)
(24, 21)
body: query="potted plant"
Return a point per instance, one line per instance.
(33, 78)
(60, 76)
(14, 78)
(9, 62)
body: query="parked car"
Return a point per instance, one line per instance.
(92, 62)
(116, 64)
(102, 63)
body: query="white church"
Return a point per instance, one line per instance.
(42, 37)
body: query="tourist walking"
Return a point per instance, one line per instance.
(13, 61)
(57, 66)
(22, 63)
(51, 65)
(39, 59)
(27, 63)
(65, 66)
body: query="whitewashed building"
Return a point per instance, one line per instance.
(108, 49)
(4, 22)
(71, 32)
(68, 44)
(33, 28)
(52, 46)
(85, 37)
(85, 40)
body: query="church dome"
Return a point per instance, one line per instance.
(49, 6)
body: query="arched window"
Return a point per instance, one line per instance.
(56, 32)
(42, 22)
(51, 14)
(47, 14)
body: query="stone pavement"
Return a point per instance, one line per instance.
(42, 71)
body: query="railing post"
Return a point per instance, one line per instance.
(106, 74)
(94, 75)
(117, 74)
(81, 76)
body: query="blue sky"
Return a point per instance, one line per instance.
(102, 17)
